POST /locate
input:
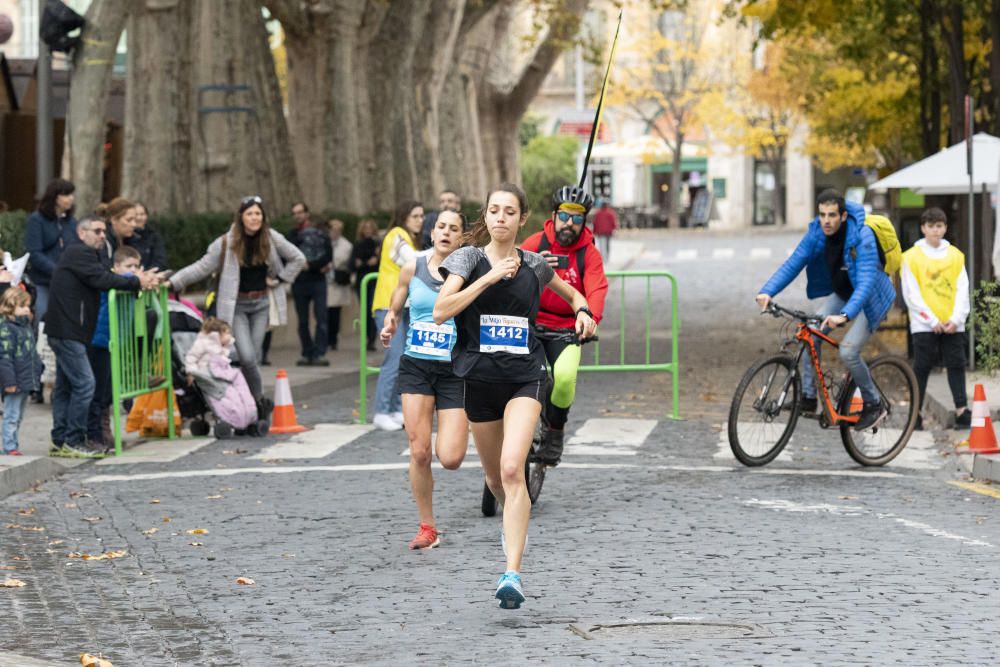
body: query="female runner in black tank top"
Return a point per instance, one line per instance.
(493, 293)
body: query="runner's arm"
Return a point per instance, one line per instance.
(397, 301)
(452, 299)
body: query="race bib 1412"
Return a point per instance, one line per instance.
(503, 333)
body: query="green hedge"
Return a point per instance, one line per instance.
(187, 236)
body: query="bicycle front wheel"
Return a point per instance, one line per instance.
(764, 411)
(898, 386)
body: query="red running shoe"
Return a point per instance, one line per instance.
(427, 538)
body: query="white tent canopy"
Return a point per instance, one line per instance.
(944, 173)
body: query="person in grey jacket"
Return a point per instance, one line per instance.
(251, 260)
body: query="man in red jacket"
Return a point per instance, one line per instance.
(569, 247)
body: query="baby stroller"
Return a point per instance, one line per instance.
(195, 401)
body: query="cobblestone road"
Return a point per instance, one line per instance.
(810, 560)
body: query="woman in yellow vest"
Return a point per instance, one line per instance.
(398, 248)
(936, 291)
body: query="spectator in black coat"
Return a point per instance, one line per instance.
(82, 274)
(149, 243)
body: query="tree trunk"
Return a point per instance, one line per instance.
(204, 122)
(90, 85)
(954, 37)
(993, 25)
(930, 91)
(158, 107)
(676, 181)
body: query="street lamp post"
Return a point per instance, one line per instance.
(43, 117)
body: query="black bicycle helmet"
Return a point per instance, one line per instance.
(570, 194)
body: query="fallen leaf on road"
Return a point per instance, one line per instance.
(107, 555)
(21, 558)
(234, 452)
(26, 512)
(70, 506)
(196, 544)
(154, 501)
(17, 583)
(36, 529)
(149, 531)
(7, 567)
(88, 660)
(847, 497)
(212, 497)
(166, 519)
(91, 519)
(79, 494)
(245, 581)
(197, 531)
(56, 542)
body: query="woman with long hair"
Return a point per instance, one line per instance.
(493, 292)
(48, 231)
(364, 260)
(398, 247)
(254, 263)
(426, 379)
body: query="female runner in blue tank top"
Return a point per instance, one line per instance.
(426, 379)
(493, 293)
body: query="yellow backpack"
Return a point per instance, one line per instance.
(889, 250)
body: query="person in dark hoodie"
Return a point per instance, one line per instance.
(149, 243)
(569, 247)
(83, 272)
(309, 288)
(18, 362)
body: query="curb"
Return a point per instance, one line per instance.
(22, 477)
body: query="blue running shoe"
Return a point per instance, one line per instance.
(509, 590)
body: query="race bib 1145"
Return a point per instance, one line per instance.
(434, 340)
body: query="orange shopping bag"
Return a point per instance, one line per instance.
(149, 415)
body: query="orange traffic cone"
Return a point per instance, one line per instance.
(283, 418)
(983, 439)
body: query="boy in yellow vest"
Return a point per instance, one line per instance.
(936, 291)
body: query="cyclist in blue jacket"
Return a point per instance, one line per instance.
(841, 257)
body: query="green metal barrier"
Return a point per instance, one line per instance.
(673, 365)
(648, 365)
(138, 354)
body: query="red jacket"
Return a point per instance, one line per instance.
(605, 222)
(553, 311)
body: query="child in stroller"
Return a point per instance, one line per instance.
(207, 365)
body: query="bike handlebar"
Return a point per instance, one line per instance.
(804, 317)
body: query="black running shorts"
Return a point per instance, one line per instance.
(486, 401)
(430, 378)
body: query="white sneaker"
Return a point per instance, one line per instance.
(397, 417)
(385, 422)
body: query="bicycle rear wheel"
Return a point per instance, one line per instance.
(764, 410)
(898, 386)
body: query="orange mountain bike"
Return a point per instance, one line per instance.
(766, 407)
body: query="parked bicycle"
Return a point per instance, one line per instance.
(765, 407)
(534, 470)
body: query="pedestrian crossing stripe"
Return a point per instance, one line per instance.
(693, 254)
(318, 443)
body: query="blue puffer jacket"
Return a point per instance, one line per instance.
(46, 239)
(873, 290)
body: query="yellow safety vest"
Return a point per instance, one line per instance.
(388, 270)
(937, 278)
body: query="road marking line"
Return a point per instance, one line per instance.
(760, 253)
(610, 437)
(723, 253)
(322, 441)
(771, 432)
(849, 510)
(975, 487)
(651, 255)
(157, 451)
(381, 467)
(688, 254)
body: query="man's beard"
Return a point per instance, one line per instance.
(566, 237)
